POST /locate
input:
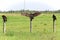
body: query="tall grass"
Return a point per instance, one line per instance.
(17, 27)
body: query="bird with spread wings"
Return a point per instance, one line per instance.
(31, 16)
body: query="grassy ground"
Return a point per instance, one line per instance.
(17, 28)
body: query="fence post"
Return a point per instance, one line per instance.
(54, 26)
(30, 26)
(4, 27)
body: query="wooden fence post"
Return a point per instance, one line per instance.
(54, 26)
(30, 26)
(4, 27)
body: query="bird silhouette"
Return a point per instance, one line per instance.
(31, 16)
(54, 17)
(4, 18)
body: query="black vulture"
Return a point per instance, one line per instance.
(4, 18)
(54, 17)
(31, 16)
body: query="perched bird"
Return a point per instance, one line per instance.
(54, 17)
(31, 16)
(4, 18)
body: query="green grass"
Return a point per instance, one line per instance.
(17, 27)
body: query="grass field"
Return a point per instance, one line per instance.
(17, 27)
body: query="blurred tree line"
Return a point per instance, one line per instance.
(29, 11)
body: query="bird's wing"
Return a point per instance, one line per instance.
(36, 14)
(25, 14)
